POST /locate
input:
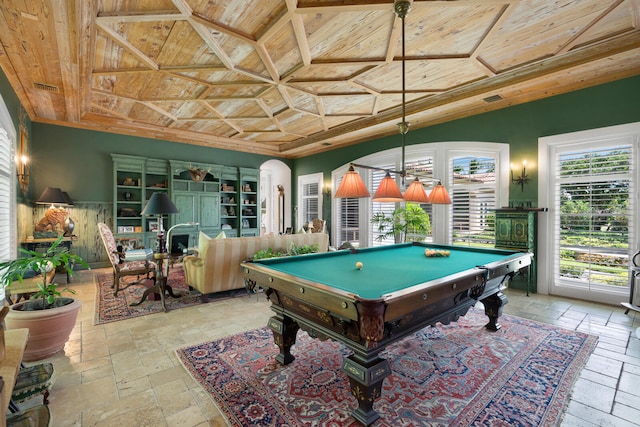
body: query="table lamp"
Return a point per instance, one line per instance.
(53, 216)
(160, 204)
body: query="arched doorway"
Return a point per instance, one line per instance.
(275, 204)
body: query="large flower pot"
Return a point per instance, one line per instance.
(49, 329)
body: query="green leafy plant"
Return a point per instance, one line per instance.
(41, 263)
(292, 250)
(407, 222)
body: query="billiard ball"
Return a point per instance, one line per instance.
(359, 265)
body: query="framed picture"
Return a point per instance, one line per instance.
(153, 226)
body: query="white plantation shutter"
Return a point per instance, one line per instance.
(473, 195)
(6, 196)
(594, 221)
(309, 198)
(377, 207)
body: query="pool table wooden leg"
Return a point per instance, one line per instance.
(365, 378)
(493, 309)
(284, 331)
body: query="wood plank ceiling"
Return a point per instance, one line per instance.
(291, 78)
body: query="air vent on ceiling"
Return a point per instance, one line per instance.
(493, 98)
(44, 86)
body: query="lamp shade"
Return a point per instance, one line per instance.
(388, 191)
(416, 193)
(51, 196)
(159, 204)
(67, 199)
(439, 195)
(352, 185)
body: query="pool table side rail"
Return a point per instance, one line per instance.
(334, 300)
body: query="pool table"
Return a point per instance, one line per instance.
(397, 291)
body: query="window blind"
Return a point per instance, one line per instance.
(594, 221)
(473, 201)
(6, 195)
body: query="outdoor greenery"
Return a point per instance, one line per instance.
(291, 250)
(409, 222)
(594, 218)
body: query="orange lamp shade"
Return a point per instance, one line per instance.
(439, 195)
(388, 191)
(351, 186)
(415, 193)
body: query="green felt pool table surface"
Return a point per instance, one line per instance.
(385, 269)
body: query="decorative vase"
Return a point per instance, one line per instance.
(49, 329)
(69, 225)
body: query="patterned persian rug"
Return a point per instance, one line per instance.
(454, 375)
(110, 309)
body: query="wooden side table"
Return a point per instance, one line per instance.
(160, 286)
(32, 245)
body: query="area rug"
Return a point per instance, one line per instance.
(454, 375)
(110, 309)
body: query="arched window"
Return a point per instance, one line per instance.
(475, 173)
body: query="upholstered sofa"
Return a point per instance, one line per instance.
(216, 267)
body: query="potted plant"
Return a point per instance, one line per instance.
(406, 222)
(49, 316)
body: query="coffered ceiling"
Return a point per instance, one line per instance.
(292, 78)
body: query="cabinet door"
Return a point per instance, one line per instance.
(186, 204)
(503, 230)
(520, 230)
(209, 208)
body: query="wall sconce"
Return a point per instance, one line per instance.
(23, 173)
(523, 178)
(326, 189)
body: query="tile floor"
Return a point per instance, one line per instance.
(126, 373)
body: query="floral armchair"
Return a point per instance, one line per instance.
(122, 267)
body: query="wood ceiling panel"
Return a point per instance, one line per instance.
(619, 20)
(348, 35)
(247, 17)
(113, 6)
(283, 49)
(362, 105)
(212, 128)
(535, 30)
(291, 78)
(447, 30)
(187, 110)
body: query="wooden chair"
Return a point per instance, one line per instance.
(319, 225)
(122, 267)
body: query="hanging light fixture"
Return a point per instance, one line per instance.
(352, 185)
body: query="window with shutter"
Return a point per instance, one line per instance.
(594, 216)
(589, 181)
(475, 196)
(309, 198)
(8, 235)
(474, 200)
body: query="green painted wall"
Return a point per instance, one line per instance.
(13, 105)
(79, 161)
(520, 126)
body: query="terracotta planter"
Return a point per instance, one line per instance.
(49, 329)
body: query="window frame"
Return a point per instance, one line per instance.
(548, 148)
(8, 236)
(313, 178)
